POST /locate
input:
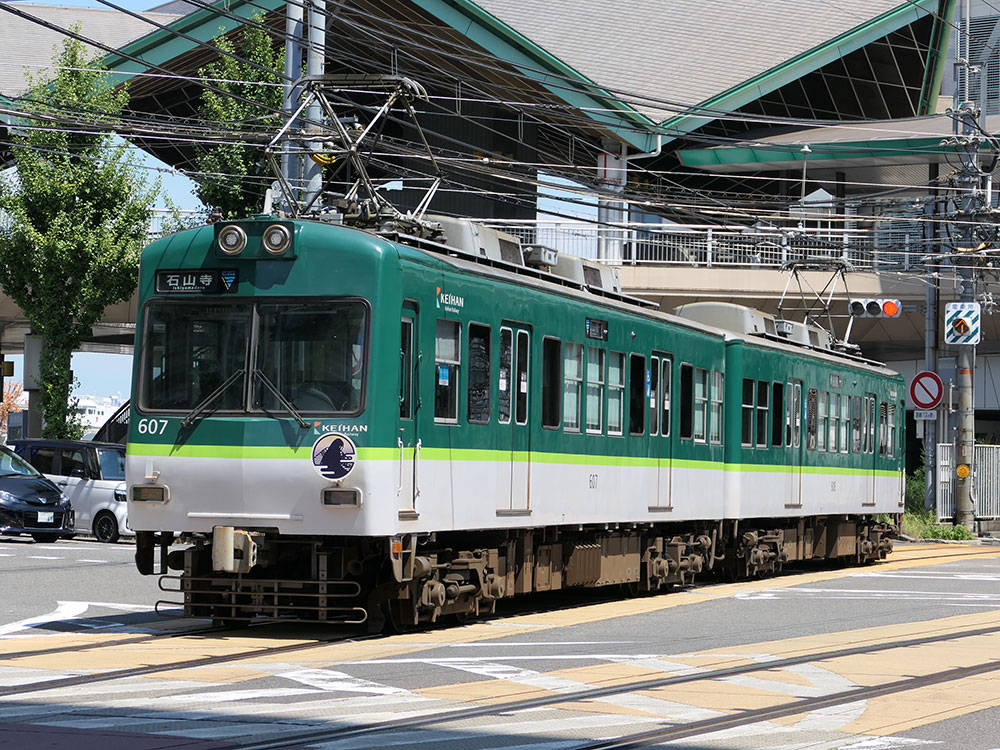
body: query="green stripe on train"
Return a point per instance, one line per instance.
(466, 454)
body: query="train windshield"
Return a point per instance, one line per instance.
(190, 351)
(312, 353)
(307, 355)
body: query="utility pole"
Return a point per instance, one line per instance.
(970, 218)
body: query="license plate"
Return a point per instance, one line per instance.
(46, 517)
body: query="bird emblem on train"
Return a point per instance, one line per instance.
(334, 455)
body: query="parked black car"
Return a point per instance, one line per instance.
(30, 503)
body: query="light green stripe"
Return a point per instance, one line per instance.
(464, 454)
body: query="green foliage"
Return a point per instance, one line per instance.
(234, 175)
(74, 220)
(916, 488)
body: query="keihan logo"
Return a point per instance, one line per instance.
(451, 302)
(334, 455)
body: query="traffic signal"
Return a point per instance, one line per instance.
(876, 308)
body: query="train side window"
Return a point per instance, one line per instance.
(890, 419)
(834, 420)
(748, 406)
(406, 369)
(845, 422)
(572, 386)
(883, 427)
(665, 378)
(716, 412)
(856, 426)
(779, 413)
(822, 413)
(523, 378)
(447, 360)
(654, 395)
(812, 397)
(870, 423)
(595, 389)
(687, 402)
(616, 391)
(636, 394)
(551, 382)
(504, 380)
(701, 395)
(478, 394)
(763, 390)
(796, 403)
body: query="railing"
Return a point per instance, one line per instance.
(715, 246)
(985, 482)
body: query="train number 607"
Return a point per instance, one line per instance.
(152, 426)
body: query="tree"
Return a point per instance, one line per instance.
(72, 220)
(10, 403)
(234, 175)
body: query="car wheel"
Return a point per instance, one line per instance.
(106, 527)
(45, 538)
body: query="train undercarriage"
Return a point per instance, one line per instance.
(235, 575)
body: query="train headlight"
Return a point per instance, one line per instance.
(232, 240)
(149, 493)
(277, 239)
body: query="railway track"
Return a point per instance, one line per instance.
(674, 732)
(203, 661)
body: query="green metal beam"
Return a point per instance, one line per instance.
(936, 56)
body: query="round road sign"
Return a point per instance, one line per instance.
(926, 390)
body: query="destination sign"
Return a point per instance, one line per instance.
(597, 329)
(206, 281)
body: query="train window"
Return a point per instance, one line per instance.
(406, 369)
(890, 419)
(666, 376)
(845, 422)
(779, 413)
(700, 404)
(636, 394)
(616, 389)
(812, 396)
(883, 425)
(763, 390)
(447, 359)
(831, 441)
(687, 402)
(654, 397)
(191, 350)
(718, 394)
(311, 354)
(856, 426)
(747, 432)
(822, 416)
(504, 378)
(478, 394)
(551, 382)
(869, 423)
(523, 378)
(595, 389)
(795, 401)
(572, 386)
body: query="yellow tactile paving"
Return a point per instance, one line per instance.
(720, 696)
(224, 675)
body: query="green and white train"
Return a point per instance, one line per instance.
(344, 425)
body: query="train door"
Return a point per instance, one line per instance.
(514, 391)
(793, 440)
(407, 440)
(660, 436)
(871, 455)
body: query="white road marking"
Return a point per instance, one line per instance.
(88, 560)
(887, 743)
(65, 611)
(239, 695)
(328, 679)
(44, 557)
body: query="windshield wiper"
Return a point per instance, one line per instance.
(193, 414)
(281, 398)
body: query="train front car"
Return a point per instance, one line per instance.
(252, 414)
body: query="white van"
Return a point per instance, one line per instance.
(91, 475)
